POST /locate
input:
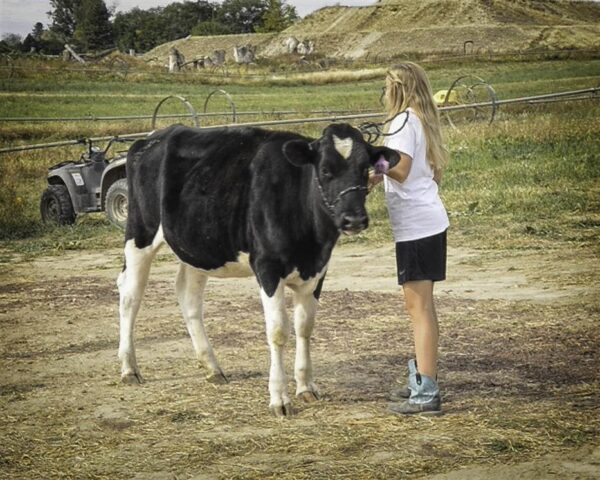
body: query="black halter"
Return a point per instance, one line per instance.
(372, 132)
(331, 206)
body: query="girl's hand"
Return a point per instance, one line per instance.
(374, 180)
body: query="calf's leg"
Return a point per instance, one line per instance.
(278, 332)
(305, 309)
(132, 283)
(190, 286)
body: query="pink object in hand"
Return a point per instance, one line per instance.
(381, 165)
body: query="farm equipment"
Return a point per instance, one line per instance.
(469, 98)
(94, 183)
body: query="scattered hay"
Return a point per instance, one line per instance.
(518, 383)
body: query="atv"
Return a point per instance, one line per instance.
(92, 184)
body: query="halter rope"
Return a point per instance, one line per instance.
(331, 206)
(373, 131)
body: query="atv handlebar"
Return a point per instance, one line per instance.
(90, 146)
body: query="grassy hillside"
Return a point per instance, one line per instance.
(403, 28)
(427, 13)
(396, 27)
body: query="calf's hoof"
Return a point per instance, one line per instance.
(132, 378)
(308, 396)
(217, 378)
(282, 411)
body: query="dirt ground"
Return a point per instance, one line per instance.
(519, 372)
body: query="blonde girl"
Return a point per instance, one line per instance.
(419, 222)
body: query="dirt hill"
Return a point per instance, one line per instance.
(399, 28)
(194, 47)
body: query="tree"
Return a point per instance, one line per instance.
(63, 15)
(142, 30)
(93, 29)
(211, 27)
(11, 43)
(52, 43)
(12, 40)
(30, 44)
(38, 30)
(33, 41)
(278, 16)
(180, 18)
(242, 16)
(139, 29)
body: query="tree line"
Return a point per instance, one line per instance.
(89, 25)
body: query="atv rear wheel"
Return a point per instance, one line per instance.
(116, 203)
(56, 206)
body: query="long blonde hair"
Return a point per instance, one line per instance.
(407, 86)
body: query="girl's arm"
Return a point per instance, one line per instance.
(399, 172)
(401, 169)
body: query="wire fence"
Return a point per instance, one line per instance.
(589, 93)
(94, 118)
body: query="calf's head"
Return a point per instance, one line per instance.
(341, 159)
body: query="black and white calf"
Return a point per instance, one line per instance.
(217, 197)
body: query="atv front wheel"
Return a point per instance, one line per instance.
(56, 206)
(116, 203)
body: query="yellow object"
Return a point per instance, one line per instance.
(440, 96)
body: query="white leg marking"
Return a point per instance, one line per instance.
(190, 286)
(305, 309)
(278, 332)
(132, 282)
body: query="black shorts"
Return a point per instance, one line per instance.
(422, 259)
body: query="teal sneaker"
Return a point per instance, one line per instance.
(402, 393)
(424, 397)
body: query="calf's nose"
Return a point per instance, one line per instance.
(354, 223)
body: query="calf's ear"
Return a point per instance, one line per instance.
(300, 152)
(390, 155)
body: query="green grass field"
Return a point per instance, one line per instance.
(528, 179)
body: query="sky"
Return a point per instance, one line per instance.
(19, 16)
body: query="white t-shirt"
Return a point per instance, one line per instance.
(414, 206)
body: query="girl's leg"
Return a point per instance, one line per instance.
(418, 298)
(424, 391)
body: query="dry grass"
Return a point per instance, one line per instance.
(518, 383)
